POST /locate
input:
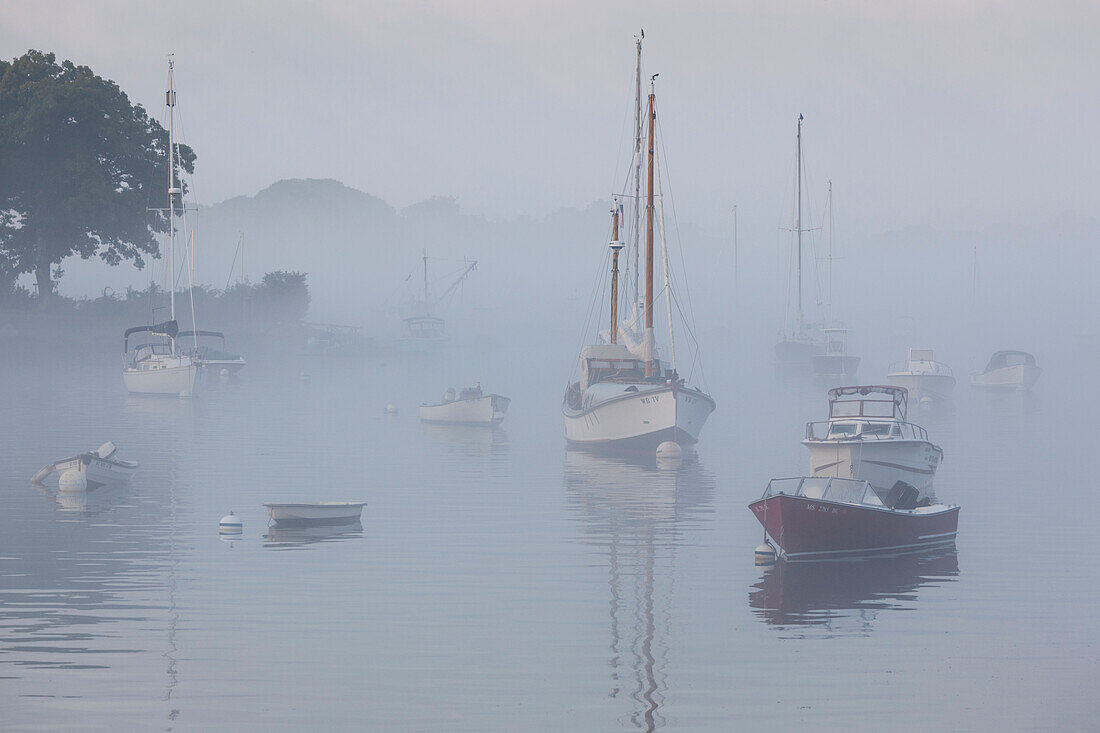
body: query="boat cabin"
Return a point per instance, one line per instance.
(423, 327)
(836, 341)
(870, 412)
(1004, 359)
(609, 363)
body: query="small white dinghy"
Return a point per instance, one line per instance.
(98, 467)
(1008, 370)
(470, 407)
(323, 512)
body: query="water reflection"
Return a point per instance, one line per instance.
(292, 538)
(88, 502)
(635, 514)
(845, 597)
(467, 439)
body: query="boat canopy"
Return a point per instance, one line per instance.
(215, 334)
(607, 361)
(170, 329)
(881, 401)
(1003, 359)
(920, 354)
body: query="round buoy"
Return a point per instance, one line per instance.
(765, 554)
(391, 409)
(230, 524)
(304, 376)
(72, 480)
(669, 455)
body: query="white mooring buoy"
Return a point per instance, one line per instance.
(72, 480)
(669, 455)
(765, 554)
(230, 524)
(391, 409)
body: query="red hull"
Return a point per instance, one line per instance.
(815, 529)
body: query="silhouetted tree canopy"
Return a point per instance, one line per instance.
(284, 296)
(79, 166)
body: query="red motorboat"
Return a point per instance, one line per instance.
(818, 518)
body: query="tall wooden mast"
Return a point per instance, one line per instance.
(649, 240)
(616, 247)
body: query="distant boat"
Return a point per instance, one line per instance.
(834, 360)
(425, 332)
(797, 346)
(819, 518)
(867, 438)
(158, 365)
(626, 397)
(471, 406)
(99, 467)
(215, 360)
(325, 512)
(924, 377)
(1008, 370)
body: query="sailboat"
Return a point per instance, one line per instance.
(626, 397)
(796, 348)
(834, 359)
(156, 364)
(422, 331)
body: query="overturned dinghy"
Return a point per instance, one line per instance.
(98, 467)
(818, 518)
(470, 407)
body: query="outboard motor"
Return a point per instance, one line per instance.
(901, 496)
(106, 450)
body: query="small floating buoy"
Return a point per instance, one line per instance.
(764, 554)
(391, 409)
(669, 455)
(304, 376)
(72, 480)
(230, 524)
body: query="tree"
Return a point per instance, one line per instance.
(284, 296)
(79, 167)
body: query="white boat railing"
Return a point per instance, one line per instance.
(921, 368)
(918, 433)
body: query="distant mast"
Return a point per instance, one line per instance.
(648, 348)
(616, 246)
(798, 224)
(424, 252)
(637, 170)
(170, 100)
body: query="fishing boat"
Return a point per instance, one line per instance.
(625, 396)
(98, 467)
(215, 360)
(867, 438)
(818, 518)
(471, 406)
(325, 512)
(834, 360)
(1008, 370)
(423, 331)
(798, 344)
(926, 379)
(158, 365)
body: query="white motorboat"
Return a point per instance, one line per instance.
(471, 406)
(834, 360)
(159, 366)
(1008, 370)
(324, 512)
(926, 379)
(867, 438)
(215, 360)
(99, 467)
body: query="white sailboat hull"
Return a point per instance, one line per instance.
(935, 387)
(882, 463)
(326, 512)
(485, 410)
(642, 419)
(171, 376)
(1019, 376)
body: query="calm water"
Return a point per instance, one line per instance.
(500, 582)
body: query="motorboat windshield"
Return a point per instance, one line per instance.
(868, 401)
(901, 496)
(1003, 359)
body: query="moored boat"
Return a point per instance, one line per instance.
(868, 438)
(817, 518)
(213, 359)
(925, 378)
(1008, 370)
(99, 467)
(625, 396)
(324, 512)
(471, 406)
(834, 360)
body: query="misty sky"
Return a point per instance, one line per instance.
(951, 114)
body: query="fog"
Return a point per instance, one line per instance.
(498, 578)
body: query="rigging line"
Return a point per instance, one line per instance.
(593, 296)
